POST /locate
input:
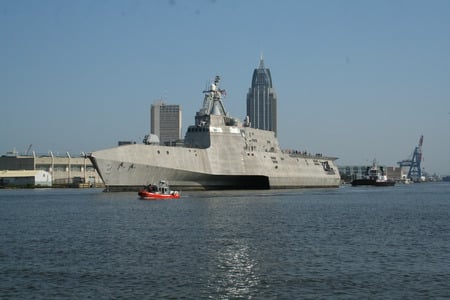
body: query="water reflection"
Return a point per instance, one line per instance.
(235, 271)
(347, 243)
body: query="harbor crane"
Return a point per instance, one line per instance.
(414, 164)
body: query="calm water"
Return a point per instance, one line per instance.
(351, 242)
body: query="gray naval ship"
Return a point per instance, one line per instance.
(219, 152)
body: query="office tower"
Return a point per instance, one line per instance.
(166, 122)
(262, 100)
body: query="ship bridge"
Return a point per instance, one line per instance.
(211, 116)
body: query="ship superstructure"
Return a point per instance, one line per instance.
(219, 152)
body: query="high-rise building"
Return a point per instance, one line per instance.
(262, 100)
(166, 122)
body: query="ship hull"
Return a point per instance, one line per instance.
(131, 167)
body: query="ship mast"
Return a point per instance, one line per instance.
(212, 104)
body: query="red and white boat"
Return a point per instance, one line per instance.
(158, 192)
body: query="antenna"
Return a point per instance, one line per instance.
(261, 61)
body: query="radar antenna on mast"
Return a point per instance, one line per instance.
(212, 104)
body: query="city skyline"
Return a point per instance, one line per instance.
(356, 80)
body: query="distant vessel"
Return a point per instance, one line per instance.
(374, 176)
(158, 192)
(219, 152)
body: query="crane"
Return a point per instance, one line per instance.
(28, 150)
(414, 164)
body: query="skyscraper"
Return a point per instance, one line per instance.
(166, 122)
(262, 100)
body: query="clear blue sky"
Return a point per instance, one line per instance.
(355, 79)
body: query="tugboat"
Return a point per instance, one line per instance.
(374, 176)
(157, 192)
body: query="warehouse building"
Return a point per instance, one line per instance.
(64, 170)
(23, 178)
